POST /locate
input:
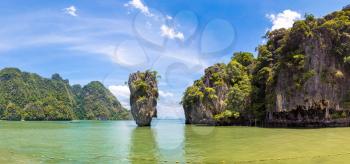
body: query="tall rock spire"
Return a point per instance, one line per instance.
(143, 96)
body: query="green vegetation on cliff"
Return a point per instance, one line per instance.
(223, 92)
(27, 96)
(312, 48)
(143, 96)
(98, 103)
(301, 69)
(144, 85)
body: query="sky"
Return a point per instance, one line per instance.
(106, 40)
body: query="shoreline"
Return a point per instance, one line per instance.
(283, 124)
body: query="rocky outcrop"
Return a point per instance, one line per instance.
(199, 103)
(143, 96)
(323, 97)
(317, 93)
(301, 78)
(208, 100)
(309, 72)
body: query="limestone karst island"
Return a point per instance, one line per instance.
(151, 81)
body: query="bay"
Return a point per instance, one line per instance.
(167, 141)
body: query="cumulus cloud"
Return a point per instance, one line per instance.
(122, 93)
(165, 94)
(137, 4)
(284, 19)
(170, 33)
(71, 10)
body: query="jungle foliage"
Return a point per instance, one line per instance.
(251, 80)
(28, 96)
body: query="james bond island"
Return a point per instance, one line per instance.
(178, 82)
(143, 96)
(300, 78)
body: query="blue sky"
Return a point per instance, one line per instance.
(106, 40)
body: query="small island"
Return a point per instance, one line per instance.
(143, 96)
(300, 78)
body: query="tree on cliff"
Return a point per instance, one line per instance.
(222, 93)
(300, 74)
(98, 103)
(12, 112)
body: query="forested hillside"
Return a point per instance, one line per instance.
(28, 96)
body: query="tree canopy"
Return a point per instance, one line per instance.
(27, 96)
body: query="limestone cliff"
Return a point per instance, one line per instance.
(301, 77)
(205, 98)
(311, 82)
(143, 96)
(220, 96)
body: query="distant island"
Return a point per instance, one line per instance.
(301, 77)
(28, 96)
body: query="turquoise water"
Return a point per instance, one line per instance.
(167, 141)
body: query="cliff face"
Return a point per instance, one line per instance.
(28, 96)
(206, 98)
(143, 96)
(325, 89)
(312, 80)
(301, 77)
(220, 96)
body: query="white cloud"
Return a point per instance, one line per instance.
(169, 17)
(71, 10)
(165, 94)
(170, 33)
(170, 110)
(139, 5)
(122, 93)
(284, 19)
(87, 35)
(53, 39)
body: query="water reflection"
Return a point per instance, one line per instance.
(170, 139)
(160, 143)
(143, 148)
(198, 140)
(167, 142)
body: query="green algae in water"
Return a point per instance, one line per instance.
(167, 141)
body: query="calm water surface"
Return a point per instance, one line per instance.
(167, 141)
